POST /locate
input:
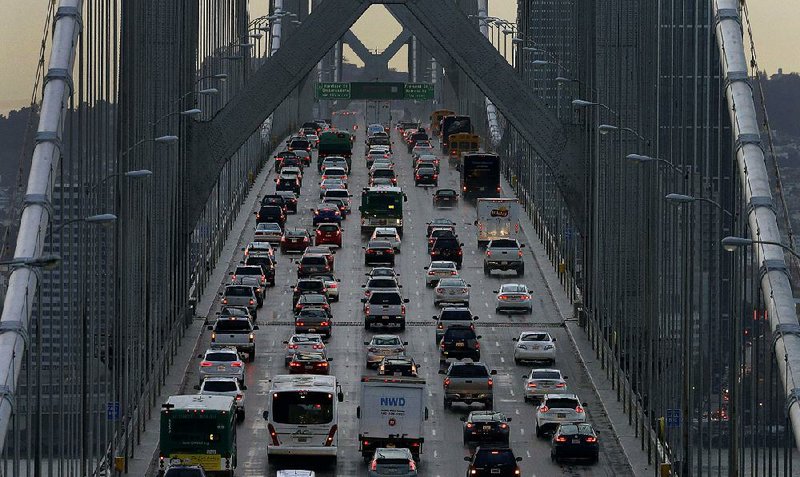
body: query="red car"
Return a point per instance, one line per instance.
(309, 363)
(295, 240)
(328, 234)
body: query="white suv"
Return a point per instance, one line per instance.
(557, 409)
(225, 386)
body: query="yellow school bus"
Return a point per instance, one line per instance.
(460, 143)
(436, 118)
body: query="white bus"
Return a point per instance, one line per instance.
(303, 415)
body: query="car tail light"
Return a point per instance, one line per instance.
(205, 364)
(369, 250)
(436, 176)
(403, 309)
(470, 425)
(591, 439)
(453, 272)
(453, 152)
(532, 385)
(417, 176)
(283, 239)
(329, 439)
(374, 465)
(292, 346)
(239, 397)
(333, 285)
(478, 346)
(252, 337)
(431, 272)
(301, 323)
(224, 301)
(579, 410)
(324, 323)
(318, 346)
(488, 253)
(273, 435)
(441, 345)
(213, 337)
(504, 426)
(324, 364)
(519, 253)
(498, 189)
(236, 364)
(412, 466)
(446, 382)
(366, 309)
(464, 188)
(561, 439)
(543, 408)
(439, 290)
(233, 277)
(490, 383)
(561, 385)
(251, 301)
(502, 297)
(294, 364)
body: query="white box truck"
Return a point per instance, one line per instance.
(391, 413)
(497, 218)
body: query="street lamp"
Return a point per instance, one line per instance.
(607, 128)
(219, 76)
(685, 199)
(137, 174)
(92, 219)
(47, 262)
(641, 158)
(169, 139)
(730, 244)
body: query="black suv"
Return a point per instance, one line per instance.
(482, 427)
(460, 342)
(426, 176)
(397, 365)
(302, 144)
(493, 462)
(307, 286)
(275, 199)
(447, 248)
(271, 213)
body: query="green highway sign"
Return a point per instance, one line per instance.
(374, 90)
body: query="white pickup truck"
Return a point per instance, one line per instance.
(391, 413)
(504, 254)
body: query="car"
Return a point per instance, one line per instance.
(296, 473)
(225, 386)
(378, 251)
(313, 139)
(257, 248)
(328, 184)
(252, 276)
(468, 382)
(420, 149)
(379, 284)
(290, 200)
(333, 161)
(241, 295)
(437, 233)
(577, 441)
(233, 311)
(311, 264)
(298, 143)
(274, 199)
(328, 234)
(295, 240)
(451, 291)
(556, 409)
(382, 162)
(302, 342)
(393, 461)
(385, 308)
(445, 198)
(323, 250)
(447, 248)
(306, 286)
(373, 155)
(486, 427)
(427, 160)
(313, 320)
(382, 172)
(184, 471)
(389, 234)
(381, 346)
(460, 342)
(271, 213)
(266, 262)
(288, 161)
(283, 156)
(541, 381)
(335, 173)
(326, 213)
(220, 361)
(493, 462)
(236, 332)
(331, 286)
(304, 157)
(342, 204)
(306, 362)
(397, 365)
(452, 315)
(313, 300)
(292, 171)
(535, 346)
(513, 297)
(383, 272)
(342, 194)
(439, 269)
(426, 176)
(287, 182)
(440, 223)
(268, 232)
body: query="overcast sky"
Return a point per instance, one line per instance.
(774, 25)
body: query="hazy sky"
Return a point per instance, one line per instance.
(774, 25)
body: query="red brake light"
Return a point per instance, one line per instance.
(412, 466)
(324, 323)
(543, 408)
(446, 382)
(532, 385)
(205, 364)
(579, 410)
(273, 435)
(374, 465)
(236, 364)
(561, 439)
(561, 385)
(591, 439)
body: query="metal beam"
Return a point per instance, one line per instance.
(395, 45)
(357, 46)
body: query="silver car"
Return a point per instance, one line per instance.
(513, 297)
(331, 286)
(389, 234)
(383, 345)
(382, 272)
(225, 386)
(397, 462)
(217, 362)
(535, 346)
(259, 247)
(380, 284)
(451, 290)
(303, 343)
(241, 295)
(268, 232)
(542, 381)
(439, 269)
(556, 409)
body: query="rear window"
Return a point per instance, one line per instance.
(444, 193)
(446, 243)
(504, 243)
(389, 173)
(271, 209)
(535, 337)
(456, 315)
(385, 299)
(545, 375)
(313, 261)
(334, 172)
(238, 291)
(453, 334)
(263, 262)
(451, 282)
(495, 457)
(328, 228)
(562, 403)
(386, 341)
(222, 357)
(247, 271)
(311, 285)
(220, 386)
(233, 325)
(382, 283)
(468, 371)
(341, 193)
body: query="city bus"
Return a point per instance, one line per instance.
(199, 430)
(461, 143)
(436, 118)
(303, 415)
(382, 206)
(480, 175)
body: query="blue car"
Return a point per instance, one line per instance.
(327, 213)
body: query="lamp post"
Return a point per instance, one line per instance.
(607, 128)
(218, 76)
(686, 199)
(137, 174)
(641, 159)
(731, 243)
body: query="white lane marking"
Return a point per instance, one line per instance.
(522, 431)
(511, 391)
(435, 454)
(433, 432)
(516, 411)
(528, 453)
(502, 359)
(496, 343)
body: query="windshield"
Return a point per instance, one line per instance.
(311, 285)
(457, 315)
(535, 337)
(339, 193)
(220, 386)
(222, 357)
(386, 341)
(313, 261)
(513, 289)
(451, 282)
(545, 375)
(382, 283)
(504, 243)
(562, 403)
(328, 228)
(302, 407)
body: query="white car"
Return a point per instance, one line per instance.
(383, 272)
(268, 232)
(328, 184)
(333, 161)
(306, 342)
(451, 290)
(541, 381)
(535, 346)
(439, 269)
(296, 473)
(335, 173)
(259, 247)
(379, 284)
(383, 345)
(420, 150)
(513, 297)
(331, 286)
(389, 234)
(556, 409)
(292, 171)
(225, 386)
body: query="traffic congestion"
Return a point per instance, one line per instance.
(384, 315)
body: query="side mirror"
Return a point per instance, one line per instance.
(495, 291)
(434, 317)
(584, 404)
(424, 268)
(493, 372)
(285, 342)
(522, 246)
(405, 343)
(463, 418)
(218, 313)
(358, 412)
(196, 387)
(475, 223)
(406, 300)
(475, 317)
(462, 244)
(338, 279)
(330, 359)
(244, 388)
(363, 300)
(565, 377)
(554, 340)
(363, 286)
(255, 327)
(514, 339)
(508, 419)
(200, 356)
(441, 371)
(479, 337)
(242, 249)
(210, 328)
(467, 458)
(519, 459)
(469, 285)
(265, 415)
(426, 413)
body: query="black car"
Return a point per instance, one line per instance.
(289, 199)
(271, 213)
(426, 176)
(577, 441)
(313, 320)
(311, 264)
(288, 183)
(439, 233)
(447, 248)
(298, 143)
(482, 427)
(267, 264)
(307, 286)
(284, 156)
(274, 199)
(397, 365)
(445, 198)
(326, 213)
(379, 251)
(493, 462)
(460, 342)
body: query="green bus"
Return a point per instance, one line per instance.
(199, 430)
(382, 206)
(334, 143)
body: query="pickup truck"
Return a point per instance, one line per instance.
(468, 383)
(235, 332)
(504, 254)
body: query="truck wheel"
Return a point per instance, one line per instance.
(366, 325)
(447, 403)
(252, 356)
(521, 271)
(487, 271)
(488, 405)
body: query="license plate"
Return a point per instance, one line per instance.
(390, 445)
(561, 416)
(221, 368)
(310, 366)
(487, 428)
(294, 240)
(378, 253)
(302, 439)
(503, 263)
(576, 441)
(312, 330)
(459, 345)
(494, 471)
(384, 317)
